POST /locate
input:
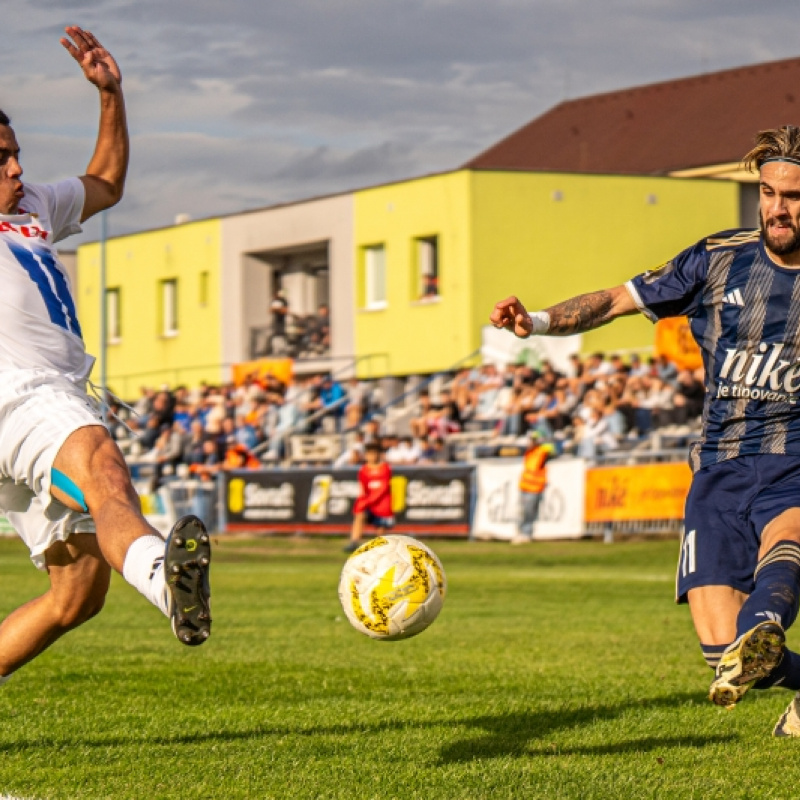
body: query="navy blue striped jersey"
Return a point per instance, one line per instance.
(744, 312)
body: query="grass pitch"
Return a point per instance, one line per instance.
(558, 670)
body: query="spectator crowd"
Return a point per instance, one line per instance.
(594, 407)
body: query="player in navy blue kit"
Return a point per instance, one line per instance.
(739, 566)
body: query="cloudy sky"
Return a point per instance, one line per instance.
(237, 104)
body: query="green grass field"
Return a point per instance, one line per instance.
(560, 670)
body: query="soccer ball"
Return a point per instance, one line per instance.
(392, 587)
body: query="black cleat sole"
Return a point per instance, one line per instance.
(187, 561)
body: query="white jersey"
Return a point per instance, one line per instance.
(38, 324)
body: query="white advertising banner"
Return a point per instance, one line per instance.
(501, 347)
(561, 513)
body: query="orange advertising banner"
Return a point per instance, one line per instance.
(280, 368)
(675, 341)
(643, 492)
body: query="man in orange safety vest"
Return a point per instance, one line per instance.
(531, 485)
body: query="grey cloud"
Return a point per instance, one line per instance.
(233, 105)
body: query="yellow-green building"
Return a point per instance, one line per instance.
(486, 235)
(410, 270)
(163, 306)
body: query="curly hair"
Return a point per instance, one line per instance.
(783, 142)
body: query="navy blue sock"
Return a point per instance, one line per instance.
(712, 653)
(777, 589)
(786, 674)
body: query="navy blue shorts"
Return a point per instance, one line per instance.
(728, 507)
(379, 522)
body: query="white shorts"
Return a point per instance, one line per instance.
(39, 410)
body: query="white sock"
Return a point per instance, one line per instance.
(144, 570)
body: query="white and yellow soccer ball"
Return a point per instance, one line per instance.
(392, 587)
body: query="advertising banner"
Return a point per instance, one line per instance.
(641, 492)
(280, 368)
(675, 341)
(500, 347)
(156, 507)
(425, 500)
(561, 510)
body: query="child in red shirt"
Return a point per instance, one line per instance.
(374, 505)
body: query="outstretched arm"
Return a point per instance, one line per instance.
(105, 176)
(576, 315)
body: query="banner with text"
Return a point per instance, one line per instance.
(561, 509)
(432, 500)
(641, 492)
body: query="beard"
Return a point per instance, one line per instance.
(783, 247)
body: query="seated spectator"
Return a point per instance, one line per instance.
(689, 397)
(226, 438)
(245, 433)
(634, 406)
(403, 452)
(659, 401)
(353, 454)
(207, 464)
(183, 415)
(487, 387)
(167, 452)
(617, 365)
(591, 437)
(163, 407)
(451, 409)
(512, 413)
(372, 429)
(439, 422)
(435, 451)
(279, 312)
(318, 330)
(597, 367)
(615, 422)
(419, 423)
(144, 405)
(147, 439)
(665, 369)
(559, 412)
(464, 396)
(333, 400)
(637, 367)
(356, 408)
(193, 445)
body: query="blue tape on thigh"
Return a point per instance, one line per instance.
(67, 485)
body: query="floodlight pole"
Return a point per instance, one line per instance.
(103, 317)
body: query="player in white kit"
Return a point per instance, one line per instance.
(63, 482)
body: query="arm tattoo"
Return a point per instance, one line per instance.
(582, 313)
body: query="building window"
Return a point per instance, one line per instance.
(427, 267)
(202, 288)
(169, 307)
(375, 276)
(113, 325)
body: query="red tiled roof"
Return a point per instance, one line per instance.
(656, 129)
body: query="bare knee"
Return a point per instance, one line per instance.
(92, 460)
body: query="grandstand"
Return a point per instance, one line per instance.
(184, 445)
